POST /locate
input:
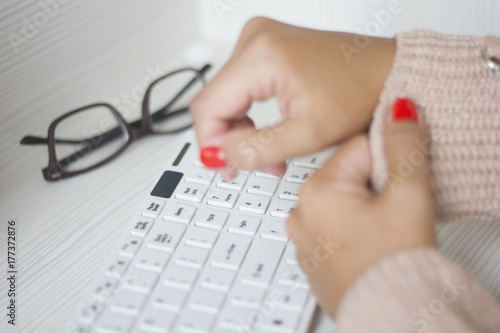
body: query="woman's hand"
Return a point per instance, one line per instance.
(341, 228)
(327, 85)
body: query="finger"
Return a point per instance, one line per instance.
(251, 149)
(349, 167)
(229, 96)
(406, 147)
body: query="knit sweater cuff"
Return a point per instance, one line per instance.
(458, 96)
(415, 291)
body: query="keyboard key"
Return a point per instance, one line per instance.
(117, 267)
(164, 236)
(129, 246)
(168, 298)
(314, 161)
(289, 191)
(229, 251)
(261, 262)
(192, 321)
(262, 186)
(103, 289)
(128, 302)
(78, 328)
(274, 230)
(138, 280)
(266, 175)
(221, 198)
(238, 319)
(179, 276)
(200, 237)
(178, 212)
(246, 296)
(235, 184)
(291, 299)
(206, 300)
(112, 322)
(190, 256)
(217, 278)
(291, 254)
(243, 225)
(292, 276)
(190, 192)
(152, 260)
(279, 321)
(297, 174)
(253, 203)
(89, 310)
(152, 208)
(282, 208)
(200, 176)
(212, 219)
(155, 320)
(141, 226)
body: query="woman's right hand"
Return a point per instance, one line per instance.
(327, 85)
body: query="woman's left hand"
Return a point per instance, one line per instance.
(341, 227)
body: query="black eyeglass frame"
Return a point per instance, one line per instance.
(134, 130)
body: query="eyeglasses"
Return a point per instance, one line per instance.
(88, 137)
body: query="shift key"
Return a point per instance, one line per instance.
(229, 251)
(164, 236)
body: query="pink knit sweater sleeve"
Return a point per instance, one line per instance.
(458, 95)
(417, 291)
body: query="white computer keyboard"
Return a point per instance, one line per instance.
(204, 254)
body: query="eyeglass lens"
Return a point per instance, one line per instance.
(87, 138)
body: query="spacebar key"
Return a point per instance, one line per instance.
(261, 262)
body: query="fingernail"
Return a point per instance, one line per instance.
(213, 157)
(403, 109)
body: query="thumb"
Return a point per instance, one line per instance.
(406, 148)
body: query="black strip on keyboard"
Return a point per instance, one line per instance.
(181, 154)
(167, 184)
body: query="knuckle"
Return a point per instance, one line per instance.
(269, 45)
(255, 25)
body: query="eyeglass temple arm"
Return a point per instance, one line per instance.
(162, 113)
(36, 140)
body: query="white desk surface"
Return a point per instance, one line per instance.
(88, 51)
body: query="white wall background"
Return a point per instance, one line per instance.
(223, 19)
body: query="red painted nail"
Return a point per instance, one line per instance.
(403, 109)
(213, 157)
